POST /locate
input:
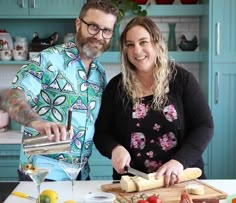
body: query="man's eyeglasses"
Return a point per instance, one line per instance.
(94, 29)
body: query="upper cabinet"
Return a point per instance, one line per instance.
(13, 8)
(223, 27)
(40, 8)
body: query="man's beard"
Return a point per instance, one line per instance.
(86, 46)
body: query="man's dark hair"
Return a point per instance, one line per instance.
(105, 6)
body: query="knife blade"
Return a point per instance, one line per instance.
(136, 172)
(23, 195)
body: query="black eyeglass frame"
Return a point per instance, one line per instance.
(98, 29)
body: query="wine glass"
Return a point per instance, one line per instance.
(38, 173)
(72, 166)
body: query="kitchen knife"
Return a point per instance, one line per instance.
(136, 172)
(23, 195)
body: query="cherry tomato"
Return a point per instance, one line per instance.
(154, 199)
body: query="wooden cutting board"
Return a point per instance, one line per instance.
(167, 194)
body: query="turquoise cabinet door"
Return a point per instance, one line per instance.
(55, 7)
(100, 166)
(9, 161)
(223, 29)
(223, 150)
(14, 7)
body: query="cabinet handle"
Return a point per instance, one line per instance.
(217, 87)
(218, 38)
(34, 4)
(23, 3)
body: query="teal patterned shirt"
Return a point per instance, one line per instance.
(56, 80)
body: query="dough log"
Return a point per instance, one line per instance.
(131, 184)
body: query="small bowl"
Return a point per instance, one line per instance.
(100, 197)
(32, 54)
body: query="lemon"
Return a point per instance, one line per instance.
(69, 201)
(51, 195)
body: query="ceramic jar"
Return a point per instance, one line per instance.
(20, 52)
(6, 45)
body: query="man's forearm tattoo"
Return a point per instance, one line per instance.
(18, 108)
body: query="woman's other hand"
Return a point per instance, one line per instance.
(171, 171)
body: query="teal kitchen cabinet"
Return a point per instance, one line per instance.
(223, 162)
(13, 7)
(223, 31)
(39, 8)
(222, 88)
(100, 166)
(9, 161)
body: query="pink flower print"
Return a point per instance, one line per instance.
(170, 113)
(156, 127)
(152, 166)
(140, 111)
(138, 155)
(138, 124)
(138, 140)
(152, 141)
(167, 141)
(150, 154)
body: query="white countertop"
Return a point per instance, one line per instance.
(81, 188)
(11, 137)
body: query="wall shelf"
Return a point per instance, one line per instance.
(114, 57)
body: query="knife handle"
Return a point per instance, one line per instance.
(126, 168)
(20, 194)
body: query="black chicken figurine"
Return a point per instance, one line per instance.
(188, 45)
(39, 44)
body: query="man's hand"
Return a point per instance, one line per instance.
(54, 131)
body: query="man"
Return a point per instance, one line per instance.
(63, 77)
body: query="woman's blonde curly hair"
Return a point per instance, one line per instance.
(162, 72)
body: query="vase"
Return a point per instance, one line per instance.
(172, 38)
(115, 39)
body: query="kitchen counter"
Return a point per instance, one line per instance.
(81, 188)
(11, 137)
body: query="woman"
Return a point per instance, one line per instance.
(154, 116)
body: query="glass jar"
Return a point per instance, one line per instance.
(20, 51)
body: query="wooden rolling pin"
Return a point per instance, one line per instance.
(136, 183)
